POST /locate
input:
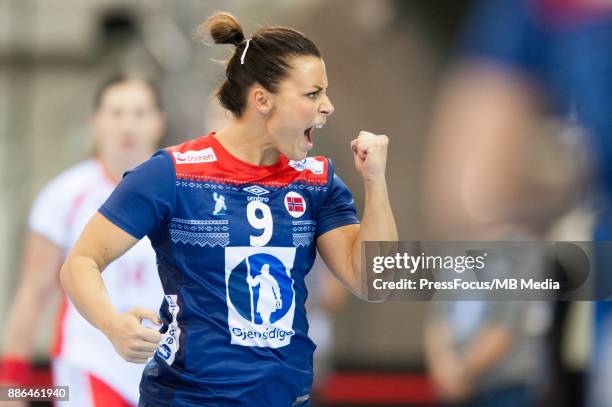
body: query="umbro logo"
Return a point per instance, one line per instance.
(256, 190)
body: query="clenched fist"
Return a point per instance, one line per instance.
(132, 341)
(370, 153)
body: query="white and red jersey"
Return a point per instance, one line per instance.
(60, 213)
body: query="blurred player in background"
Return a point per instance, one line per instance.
(127, 125)
(526, 65)
(279, 207)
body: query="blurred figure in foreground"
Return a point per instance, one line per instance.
(526, 67)
(127, 125)
(503, 103)
(490, 352)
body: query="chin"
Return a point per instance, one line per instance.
(299, 156)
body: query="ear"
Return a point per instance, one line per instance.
(261, 99)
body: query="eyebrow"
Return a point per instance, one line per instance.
(317, 87)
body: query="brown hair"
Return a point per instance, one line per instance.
(124, 77)
(266, 62)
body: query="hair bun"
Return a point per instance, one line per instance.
(223, 28)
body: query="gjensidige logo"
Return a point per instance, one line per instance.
(260, 295)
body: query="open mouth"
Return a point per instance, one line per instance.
(308, 136)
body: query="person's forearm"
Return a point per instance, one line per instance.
(37, 283)
(438, 345)
(81, 279)
(23, 316)
(488, 347)
(377, 223)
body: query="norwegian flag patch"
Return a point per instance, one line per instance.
(295, 204)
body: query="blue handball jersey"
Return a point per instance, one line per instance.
(234, 242)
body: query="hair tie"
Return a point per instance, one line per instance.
(248, 42)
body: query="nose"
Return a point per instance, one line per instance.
(326, 107)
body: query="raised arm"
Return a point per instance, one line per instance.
(100, 243)
(340, 248)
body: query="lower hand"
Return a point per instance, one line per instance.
(132, 341)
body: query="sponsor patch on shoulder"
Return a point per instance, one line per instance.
(310, 163)
(194, 157)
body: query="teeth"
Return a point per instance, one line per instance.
(318, 126)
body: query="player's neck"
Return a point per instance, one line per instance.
(248, 142)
